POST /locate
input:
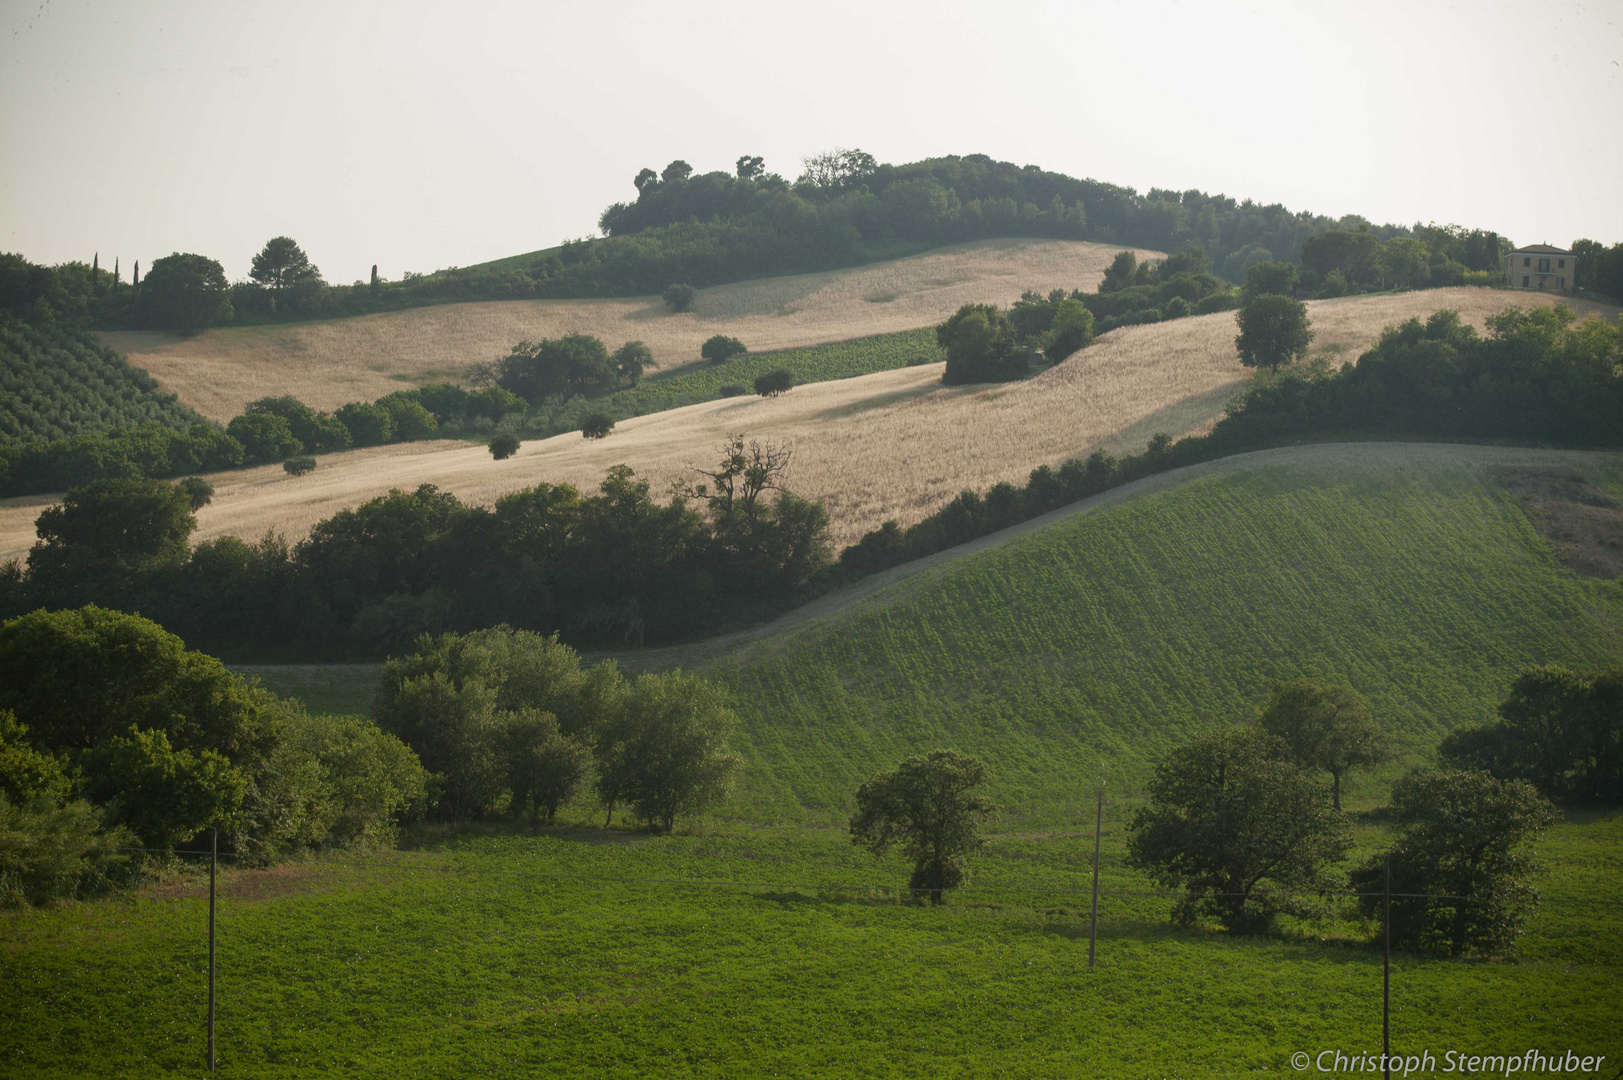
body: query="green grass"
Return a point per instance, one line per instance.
(818, 363)
(694, 384)
(1085, 649)
(743, 948)
(582, 954)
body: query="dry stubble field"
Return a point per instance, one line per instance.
(326, 364)
(896, 444)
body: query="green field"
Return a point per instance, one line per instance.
(583, 954)
(758, 942)
(57, 382)
(818, 363)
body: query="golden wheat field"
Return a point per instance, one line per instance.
(326, 364)
(896, 444)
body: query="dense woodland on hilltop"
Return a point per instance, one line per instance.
(845, 209)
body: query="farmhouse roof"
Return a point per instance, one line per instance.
(1544, 249)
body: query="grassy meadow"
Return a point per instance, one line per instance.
(759, 942)
(760, 953)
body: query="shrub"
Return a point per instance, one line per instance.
(1177, 308)
(504, 446)
(733, 390)
(596, 425)
(53, 852)
(721, 348)
(298, 466)
(679, 297)
(774, 383)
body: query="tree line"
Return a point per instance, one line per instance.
(701, 229)
(614, 567)
(1242, 827)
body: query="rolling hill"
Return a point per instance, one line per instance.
(326, 364)
(895, 444)
(1081, 646)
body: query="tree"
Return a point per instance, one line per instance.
(367, 424)
(1403, 264)
(1560, 730)
(1461, 872)
(646, 180)
(1324, 727)
(631, 360)
(666, 751)
(265, 437)
(1237, 827)
(504, 446)
(1120, 273)
(282, 266)
(743, 475)
(298, 466)
(199, 492)
(315, 431)
(82, 676)
(561, 367)
(749, 168)
(1269, 279)
(1072, 330)
(106, 537)
(679, 297)
(165, 796)
(979, 341)
(596, 425)
(186, 293)
(721, 348)
(545, 768)
(408, 419)
(774, 383)
(838, 169)
(1273, 332)
(929, 806)
(676, 170)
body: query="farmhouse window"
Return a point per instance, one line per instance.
(1560, 282)
(1527, 260)
(1524, 281)
(1562, 263)
(1544, 266)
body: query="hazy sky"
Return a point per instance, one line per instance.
(419, 136)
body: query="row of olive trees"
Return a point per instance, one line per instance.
(1241, 824)
(509, 721)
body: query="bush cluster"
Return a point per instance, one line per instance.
(114, 737)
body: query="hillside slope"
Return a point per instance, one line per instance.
(328, 363)
(896, 444)
(1081, 650)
